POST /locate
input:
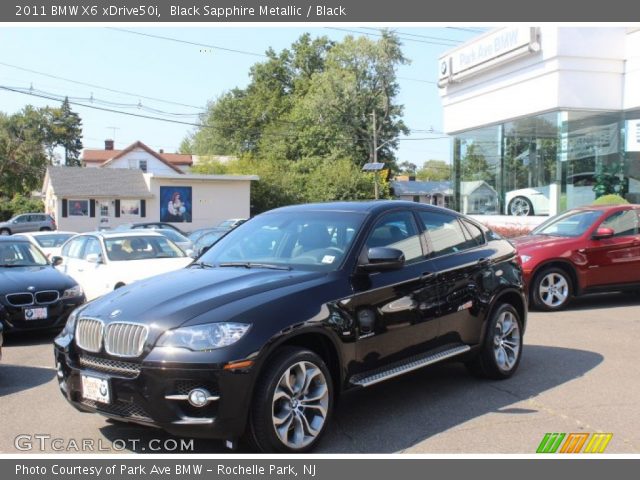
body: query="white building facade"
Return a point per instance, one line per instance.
(548, 116)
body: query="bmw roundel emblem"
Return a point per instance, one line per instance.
(31, 288)
(115, 313)
(443, 67)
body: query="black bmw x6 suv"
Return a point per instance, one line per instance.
(262, 333)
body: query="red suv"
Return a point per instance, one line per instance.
(584, 250)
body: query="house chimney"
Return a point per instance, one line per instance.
(161, 150)
(108, 144)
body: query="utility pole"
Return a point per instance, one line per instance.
(375, 154)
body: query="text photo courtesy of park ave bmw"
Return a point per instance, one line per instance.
(327, 232)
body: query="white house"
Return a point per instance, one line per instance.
(85, 199)
(137, 156)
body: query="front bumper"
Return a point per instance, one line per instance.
(138, 392)
(13, 318)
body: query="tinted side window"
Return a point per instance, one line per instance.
(446, 234)
(474, 232)
(22, 219)
(397, 230)
(73, 249)
(622, 223)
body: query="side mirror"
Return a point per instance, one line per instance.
(602, 233)
(383, 258)
(204, 249)
(56, 261)
(94, 258)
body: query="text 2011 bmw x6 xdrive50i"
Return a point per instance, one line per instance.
(260, 335)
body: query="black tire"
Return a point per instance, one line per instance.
(486, 363)
(45, 229)
(262, 431)
(5, 231)
(525, 204)
(559, 297)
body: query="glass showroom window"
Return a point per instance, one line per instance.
(477, 162)
(593, 164)
(632, 156)
(531, 176)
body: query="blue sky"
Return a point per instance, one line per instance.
(190, 75)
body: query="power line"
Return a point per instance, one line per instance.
(178, 40)
(259, 133)
(398, 32)
(94, 107)
(171, 39)
(92, 85)
(474, 30)
(380, 35)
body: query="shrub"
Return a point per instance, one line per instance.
(19, 204)
(611, 199)
(511, 231)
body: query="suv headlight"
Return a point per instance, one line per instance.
(73, 292)
(70, 326)
(204, 337)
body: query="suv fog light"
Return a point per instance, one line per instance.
(199, 397)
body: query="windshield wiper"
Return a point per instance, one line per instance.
(254, 265)
(203, 265)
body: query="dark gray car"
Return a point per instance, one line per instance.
(28, 222)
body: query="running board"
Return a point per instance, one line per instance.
(400, 368)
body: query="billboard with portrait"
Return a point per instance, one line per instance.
(175, 204)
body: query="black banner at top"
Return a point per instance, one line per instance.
(317, 11)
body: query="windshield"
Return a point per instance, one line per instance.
(298, 240)
(20, 254)
(209, 238)
(570, 224)
(172, 235)
(54, 240)
(121, 249)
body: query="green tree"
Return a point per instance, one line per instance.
(317, 99)
(435, 171)
(23, 159)
(65, 130)
(407, 168)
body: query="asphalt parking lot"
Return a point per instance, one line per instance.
(578, 374)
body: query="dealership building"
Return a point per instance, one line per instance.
(548, 117)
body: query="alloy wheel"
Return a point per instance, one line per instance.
(519, 207)
(553, 290)
(506, 341)
(300, 404)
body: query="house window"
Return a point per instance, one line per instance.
(78, 208)
(143, 165)
(129, 208)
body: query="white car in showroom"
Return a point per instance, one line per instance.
(104, 261)
(536, 200)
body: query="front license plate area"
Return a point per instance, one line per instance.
(38, 313)
(96, 388)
